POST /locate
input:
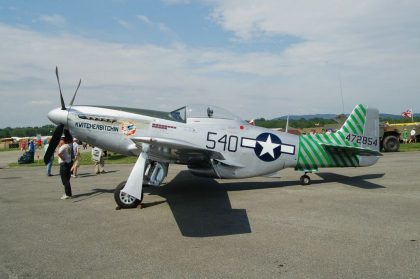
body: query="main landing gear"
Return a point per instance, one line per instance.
(305, 179)
(154, 174)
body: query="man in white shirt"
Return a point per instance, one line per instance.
(64, 159)
(413, 135)
(76, 156)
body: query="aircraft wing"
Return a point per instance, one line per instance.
(351, 149)
(180, 151)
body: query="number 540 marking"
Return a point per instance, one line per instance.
(229, 142)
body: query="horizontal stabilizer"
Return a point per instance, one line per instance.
(351, 149)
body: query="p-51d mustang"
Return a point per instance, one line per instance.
(211, 142)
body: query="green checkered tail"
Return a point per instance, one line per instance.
(355, 144)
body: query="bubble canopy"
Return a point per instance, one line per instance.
(201, 111)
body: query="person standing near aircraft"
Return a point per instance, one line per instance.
(76, 160)
(31, 146)
(64, 154)
(49, 165)
(413, 135)
(98, 157)
(39, 143)
(405, 136)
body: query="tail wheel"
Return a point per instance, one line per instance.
(305, 180)
(124, 200)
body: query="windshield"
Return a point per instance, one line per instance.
(178, 115)
(206, 111)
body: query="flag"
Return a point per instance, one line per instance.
(407, 113)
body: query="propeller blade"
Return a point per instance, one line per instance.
(63, 106)
(68, 136)
(53, 143)
(74, 96)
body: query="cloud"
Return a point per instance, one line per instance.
(372, 47)
(123, 23)
(55, 20)
(161, 27)
(145, 19)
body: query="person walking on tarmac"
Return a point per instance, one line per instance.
(98, 158)
(64, 159)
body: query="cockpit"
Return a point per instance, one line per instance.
(201, 111)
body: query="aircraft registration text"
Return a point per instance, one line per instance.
(362, 139)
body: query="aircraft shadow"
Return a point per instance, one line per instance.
(201, 207)
(355, 181)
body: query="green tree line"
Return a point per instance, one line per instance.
(298, 123)
(8, 132)
(316, 122)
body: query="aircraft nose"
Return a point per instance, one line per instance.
(58, 116)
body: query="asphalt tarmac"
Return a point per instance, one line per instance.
(349, 223)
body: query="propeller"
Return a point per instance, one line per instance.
(74, 96)
(53, 143)
(58, 132)
(63, 106)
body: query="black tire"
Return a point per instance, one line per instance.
(305, 180)
(391, 144)
(124, 200)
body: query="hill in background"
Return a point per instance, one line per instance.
(384, 116)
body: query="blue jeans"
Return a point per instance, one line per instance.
(49, 166)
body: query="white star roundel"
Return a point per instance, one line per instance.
(268, 147)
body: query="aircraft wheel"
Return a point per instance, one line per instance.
(124, 200)
(305, 180)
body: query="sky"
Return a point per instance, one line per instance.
(264, 58)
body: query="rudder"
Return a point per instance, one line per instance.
(361, 129)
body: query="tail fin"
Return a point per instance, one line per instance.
(361, 128)
(355, 144)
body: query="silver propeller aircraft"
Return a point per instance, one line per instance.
(211, 142)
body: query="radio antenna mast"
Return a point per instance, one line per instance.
(341, 90)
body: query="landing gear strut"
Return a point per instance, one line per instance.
(305, 179)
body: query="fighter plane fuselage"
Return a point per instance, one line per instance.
(245, 150)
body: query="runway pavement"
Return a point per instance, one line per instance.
(349, 223)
